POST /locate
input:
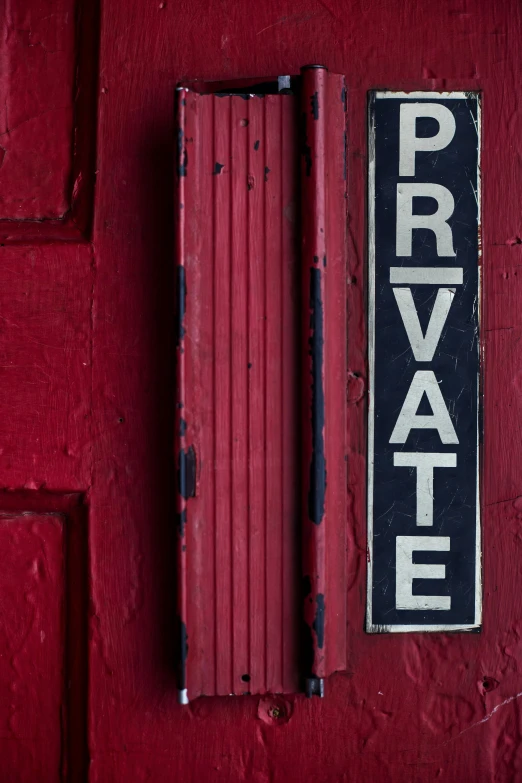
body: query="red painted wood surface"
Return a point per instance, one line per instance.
(32, 644)
(48, 67)
(38, 43)
(43, 639)
(86, 404)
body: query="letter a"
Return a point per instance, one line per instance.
(424, 381)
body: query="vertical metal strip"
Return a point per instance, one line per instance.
(313, 268)
(273, 389)
(290, 416)
(222, 358)
(239, 393)
(182, 453)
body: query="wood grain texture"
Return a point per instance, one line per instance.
(413, 708)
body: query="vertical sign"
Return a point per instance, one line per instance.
(424, 291)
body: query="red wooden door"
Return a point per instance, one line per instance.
(88, 644)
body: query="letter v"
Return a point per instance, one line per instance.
(424, 346)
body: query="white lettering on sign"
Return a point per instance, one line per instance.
(431, 223)
(424, 346)
(424, 462)
(426, 275)
(424, 382)
(436, 222)
(407, 571)
(409, 142)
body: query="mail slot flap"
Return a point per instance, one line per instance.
(244, 388)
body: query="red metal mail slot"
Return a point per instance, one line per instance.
(260, 424)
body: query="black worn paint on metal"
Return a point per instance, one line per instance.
(182, 521)
(218, 168)
(316, 495)
(256, 145)
(182, 427)
(314, 687)
(182, 154)
(181, 304)
(187, 473)
(183, 654)
(318, 624)
(314, 101)
(267, 172)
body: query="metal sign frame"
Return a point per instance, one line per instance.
(371, 625)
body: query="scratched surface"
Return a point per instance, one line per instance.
(414, 708)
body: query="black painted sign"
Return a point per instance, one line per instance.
(424, 291)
